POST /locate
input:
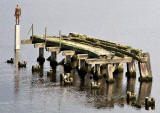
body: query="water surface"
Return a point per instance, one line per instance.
(135, 23)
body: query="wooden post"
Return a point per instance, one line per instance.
(32, 30)
(68, 59)
(109, 73)
(145, 69)
(45, 34)
(131, 69)
(82, 63)
(60, 38)
(98, 71)
(89, 67)
(41, 52)
(131, 84)
(53, 56)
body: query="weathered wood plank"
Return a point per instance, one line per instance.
(39, 45)
(107, 61)
(95, 50)
(68, 52)
(53, 49)
(26, 41)
(82, 56)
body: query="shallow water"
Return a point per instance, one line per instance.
(135, 23)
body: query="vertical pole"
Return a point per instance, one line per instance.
(53, 56)
(109, 73)
(17, 58)
(98, 69)
(45, 34)
(60, 38)
(32, 30)
(89, 67)
(81, 63)
(17, 37)
(68, 59)
(41, 52)
(131, 84)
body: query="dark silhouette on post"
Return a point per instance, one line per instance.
(17, 14)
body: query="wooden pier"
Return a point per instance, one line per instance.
(92, 54)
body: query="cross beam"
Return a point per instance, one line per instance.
(108, 61)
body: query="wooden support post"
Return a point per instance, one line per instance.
(53, 56)
(68, 59)
(103, 69)
(120, 68)
(82, 60)
(41, 58)
(89, 67)
(41, 52)
(131, 69)
(68, 54)
(82, 63)
(54, 51)
(117, 68)
(41, 46)
(98, 70)
(109, 73)
(145, 69)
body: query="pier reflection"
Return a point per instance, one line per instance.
(144, 91)
(131, 84)
(107, 95)
(110, 94)
(42, 69)
(76, 78)
(38, 77)
(17, 58)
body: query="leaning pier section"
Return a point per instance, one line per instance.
(92, 54)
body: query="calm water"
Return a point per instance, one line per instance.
(130, 22)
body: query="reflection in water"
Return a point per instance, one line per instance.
(17, 55)
(37, 77)
(76, 78)
(131, 84)
(144, 91)
(118, 84)
(87, 80)
(53, 76)
(42, 69)
(108, 94)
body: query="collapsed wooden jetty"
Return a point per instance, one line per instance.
(100, 57)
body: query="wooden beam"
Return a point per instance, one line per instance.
(26, 41)
(39, 45)
(107, 61)
(53, 49)
(82, 56)
(68, 52)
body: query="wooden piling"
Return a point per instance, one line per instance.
(109, 73)
(145, 69)
(131, 69)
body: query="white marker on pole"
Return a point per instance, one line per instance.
(17, 37)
